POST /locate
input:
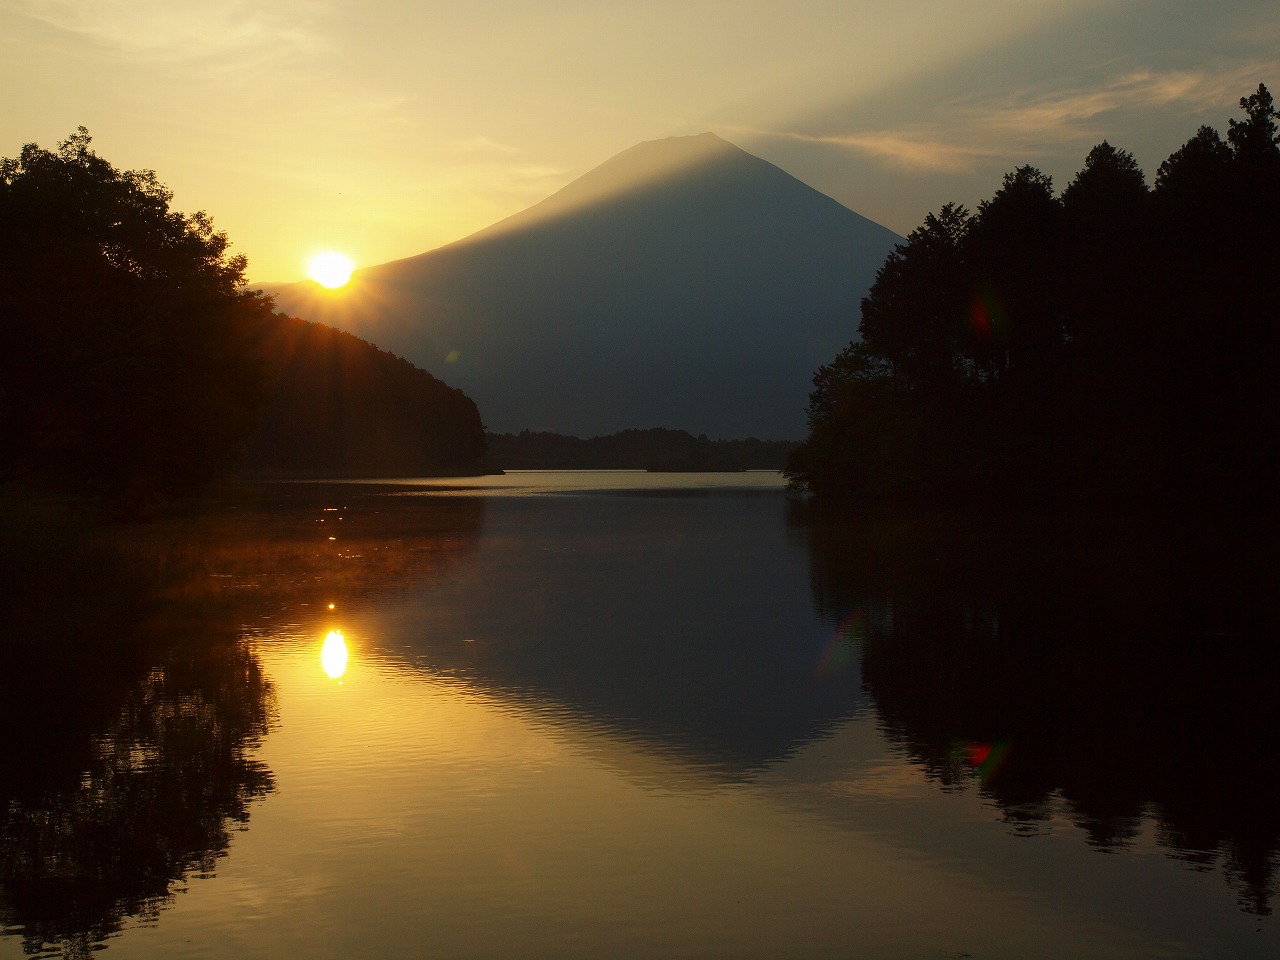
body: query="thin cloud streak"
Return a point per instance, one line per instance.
(1063, 116)
(900, 150)
(1026, 124)
(182, 30)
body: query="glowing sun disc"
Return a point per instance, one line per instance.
(333, 655)
(330, 270)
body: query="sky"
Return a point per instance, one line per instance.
(390, 127)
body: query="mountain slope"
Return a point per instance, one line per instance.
(684, 283)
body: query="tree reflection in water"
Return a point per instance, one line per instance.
(1125, 675)
(131, 707)
(134, 781)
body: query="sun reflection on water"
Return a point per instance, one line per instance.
(333, 655)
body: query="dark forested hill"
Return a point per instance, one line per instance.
(342, 407)
(683, 283)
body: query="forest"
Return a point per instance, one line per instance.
(1112, 344)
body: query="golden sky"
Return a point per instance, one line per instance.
(387, 128)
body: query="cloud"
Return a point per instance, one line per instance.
(904, 150)
(1030, 122)
(182, 30)
(1066, 115)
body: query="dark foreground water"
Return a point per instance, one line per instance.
(630, 715)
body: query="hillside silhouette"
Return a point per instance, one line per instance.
(683, 283)
(340, 407)
(135, 366)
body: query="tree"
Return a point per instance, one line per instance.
(851, 435)
(1014, 248)
(1105, 205)
(1203, 161)
(126, 364)
(1134, 342)
(1255, 146)
(883, 416)
(1106, 210)
(916, 314)
(1254, 139)
(1197, 221)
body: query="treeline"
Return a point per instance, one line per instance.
(653, 449)
(135, 366)
(1112, 341)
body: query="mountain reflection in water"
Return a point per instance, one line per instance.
(683, 622)
(1129, 671)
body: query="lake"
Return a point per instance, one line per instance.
(646, 715)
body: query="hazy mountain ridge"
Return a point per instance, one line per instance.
(683, 283)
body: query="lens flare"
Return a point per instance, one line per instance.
(839, 653)
(985, 759)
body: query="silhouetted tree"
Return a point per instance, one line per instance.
(1108, 288)
(1106, 212)
(1256, 149)
(1116, 341)
(851, 442)
(1197, 173)
(126, 370)
(1255, 139)
(1014, 250)
(916, 314)
(1218, 207)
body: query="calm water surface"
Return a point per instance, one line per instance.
(635, 715)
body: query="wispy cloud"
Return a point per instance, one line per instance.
(182, 29)
(907, 150)
(1067, 115)
(1032, 123)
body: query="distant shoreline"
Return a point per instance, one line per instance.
(339, 476)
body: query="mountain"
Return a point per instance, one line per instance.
(340, 407)
(684, 283)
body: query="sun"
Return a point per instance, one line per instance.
(330, 269)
